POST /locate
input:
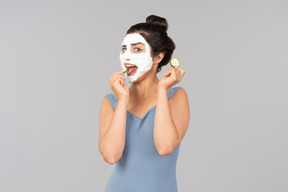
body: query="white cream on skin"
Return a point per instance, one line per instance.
(142, 60)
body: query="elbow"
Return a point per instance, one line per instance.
(108, 158)
(165, 151)
(111, 161)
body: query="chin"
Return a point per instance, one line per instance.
(140, 78)
(134, 82)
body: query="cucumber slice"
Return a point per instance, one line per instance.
(174, 62)
(124, 69)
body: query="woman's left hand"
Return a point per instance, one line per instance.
(171, 77)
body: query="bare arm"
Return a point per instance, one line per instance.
(112, 129)
(172, 116)
(171, 120)
(112, 124)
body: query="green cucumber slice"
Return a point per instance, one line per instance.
(174, 62)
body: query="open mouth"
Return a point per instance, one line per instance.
(131, 69)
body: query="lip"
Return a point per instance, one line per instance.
(128, 66)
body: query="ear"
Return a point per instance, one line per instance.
(158, 58)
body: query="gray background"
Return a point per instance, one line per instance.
(57, 56)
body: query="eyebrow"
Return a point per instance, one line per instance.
(133, 44)
(136, 43)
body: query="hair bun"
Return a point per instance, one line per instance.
(156, 20)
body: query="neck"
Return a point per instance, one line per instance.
(145, 87)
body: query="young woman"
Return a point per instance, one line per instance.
(141, 127)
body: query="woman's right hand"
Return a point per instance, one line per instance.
(118, 85)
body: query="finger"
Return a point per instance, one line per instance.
(175, 70)
(167, 73)
(169, 70)
(115, 77)
(120, 81)
(122, 77)
(125, 86)
(178, 75)
(119, 72)
(178, 68)
(175, 74)
(182, 71)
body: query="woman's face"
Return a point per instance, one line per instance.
(135, 56)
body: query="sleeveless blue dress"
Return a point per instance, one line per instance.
(141, 168)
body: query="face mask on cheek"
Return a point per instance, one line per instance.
(142, 61)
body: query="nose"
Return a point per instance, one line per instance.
(126, 56)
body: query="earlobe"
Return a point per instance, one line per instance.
(157, 59)
(161, 55)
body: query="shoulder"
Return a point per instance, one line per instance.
(178, 93)
(179, 100)
(109, 96)
(108, 102)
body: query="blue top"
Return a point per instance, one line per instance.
(141, 168)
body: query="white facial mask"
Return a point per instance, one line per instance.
(143, 61)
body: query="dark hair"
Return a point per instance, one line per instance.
(154, 32)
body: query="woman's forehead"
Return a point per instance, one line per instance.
(133, 39)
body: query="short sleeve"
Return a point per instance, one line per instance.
(172, 91)
(113, 100)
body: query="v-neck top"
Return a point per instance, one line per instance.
(141, 168)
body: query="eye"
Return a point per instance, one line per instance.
(137, 49)
(124, 49)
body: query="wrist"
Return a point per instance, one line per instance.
(124, 100)
(162, 87)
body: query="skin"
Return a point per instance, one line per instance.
(171, 118)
